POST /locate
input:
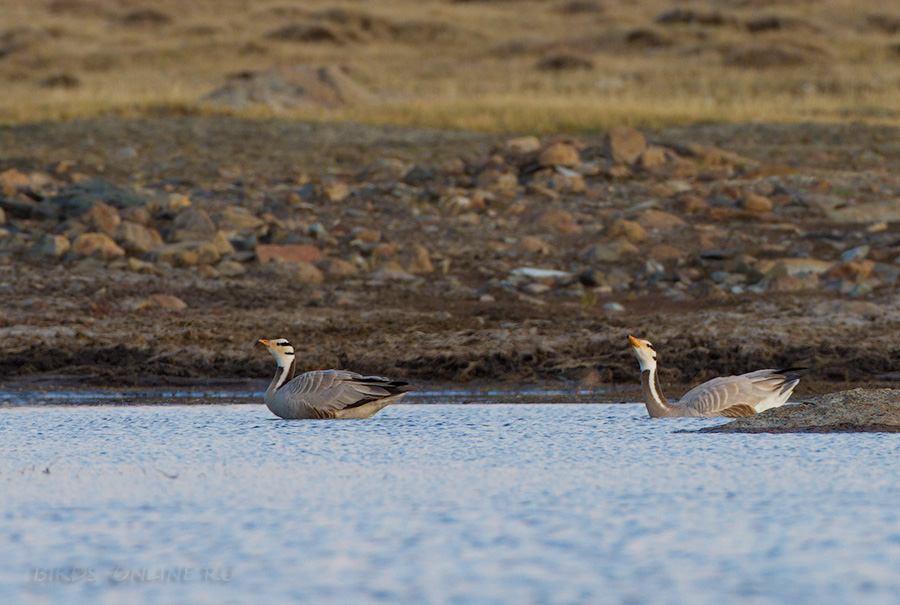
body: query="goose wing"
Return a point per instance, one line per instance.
(742, 395)
(335, 390)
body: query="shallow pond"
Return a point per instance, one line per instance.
(492, 503)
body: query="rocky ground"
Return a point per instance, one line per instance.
(159, 250)
(856, 411)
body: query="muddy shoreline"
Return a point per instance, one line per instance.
(85, 321)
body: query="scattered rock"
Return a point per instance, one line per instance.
(859, 410)
(338, 267)
(167, 301)
(521, 146)
(239, 219)
(559, 153)
(102, 217)
(177, 202)
(754, 202)
(97, 245)
(185, 254)
(288, 253)
(659, 219)
(625, 145)
(418, 260)
(230, 268)
(665, 252)
(392, 271)
(609, 253)
(12, 181)
(630, 230)
(794, 266)
(82, 196)
(653, 158)
(533, 245)
(558, 220)
(690, 203)
(854, 269)
(192, 224)
(856, 254)
(51, 245)
(336, 191)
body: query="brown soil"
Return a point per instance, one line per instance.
(66, 320)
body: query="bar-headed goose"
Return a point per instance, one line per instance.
(325, 393)
(731, 396)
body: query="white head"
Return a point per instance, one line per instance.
(644, 352)
(281, 350)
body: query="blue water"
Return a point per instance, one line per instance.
(438, 504)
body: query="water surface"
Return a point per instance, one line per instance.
(438, 503)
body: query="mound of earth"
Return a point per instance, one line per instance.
(285, 87)
(856, 411)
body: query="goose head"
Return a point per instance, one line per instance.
(645, 353)
(281, 350)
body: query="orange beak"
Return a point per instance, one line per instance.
(265, 343)
(634, 342)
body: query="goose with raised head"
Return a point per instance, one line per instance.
(731, 396)
(322, 394)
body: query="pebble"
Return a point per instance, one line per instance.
(230, 268)
(559, 153)
(102, 217)
(289, 253)
(522, 145)
(97, 245)
(192, 224)
(630, 230)
(185, 254)
(136, 238)
(338, 267)
(418, 260)
(625, 145)
(756, 203)
(858, 253)
(659, 219)
(559, 220)
(51, 245)
(653, 158)
(534, 245)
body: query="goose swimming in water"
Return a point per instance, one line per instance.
(731, 396)
(325, 393)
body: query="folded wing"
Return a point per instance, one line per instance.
(335, 390)
(742, 395)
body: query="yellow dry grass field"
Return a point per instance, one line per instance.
(497, 65)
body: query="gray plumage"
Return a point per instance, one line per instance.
(334, 394)
(736, 396)
(325, 393)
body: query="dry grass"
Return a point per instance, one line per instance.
(468, 65)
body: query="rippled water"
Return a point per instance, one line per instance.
(438, 503)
